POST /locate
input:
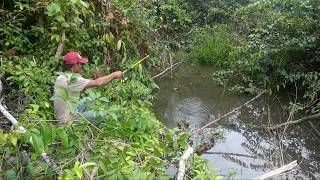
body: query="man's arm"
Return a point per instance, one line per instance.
(101, 81)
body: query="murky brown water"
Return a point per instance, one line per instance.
(246, 150)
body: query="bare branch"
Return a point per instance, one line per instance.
(182, 163)
(307, 118)
(278, 171)
(166, 70)
(8, 115)
(231, 154)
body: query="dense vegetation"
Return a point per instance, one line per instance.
(131, 143)
(271, 45)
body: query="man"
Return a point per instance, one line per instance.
(72, 64)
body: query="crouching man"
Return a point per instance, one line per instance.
(72, 64)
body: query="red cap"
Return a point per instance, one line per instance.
(74, 58)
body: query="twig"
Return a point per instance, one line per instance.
(229, 113)
(182, 163)
(166, 70)
(278, 171)
(231, 154)
(307, 118)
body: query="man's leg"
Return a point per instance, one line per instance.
(89, 115)
(94, 118)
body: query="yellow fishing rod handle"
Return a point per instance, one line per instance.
(135, 64)
(139, 61)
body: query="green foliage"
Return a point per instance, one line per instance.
(211, 12)
(177, 18)
(202, 170)
(130, 142)
(216, 47)
(268, 44)
(27, 75)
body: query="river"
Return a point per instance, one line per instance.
(245, 150)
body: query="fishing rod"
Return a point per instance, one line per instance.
(135, 64)
(131, 67)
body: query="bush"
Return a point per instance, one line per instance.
(216, 46)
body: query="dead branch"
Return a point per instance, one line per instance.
(307, 118)
(61, 44)
(278, 171)
(8, 115)
(229, 113)
(172, 66)
(231, 154)
(182, 163)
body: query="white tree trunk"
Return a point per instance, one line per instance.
(278, 171)
(183, 162)
(8, 115)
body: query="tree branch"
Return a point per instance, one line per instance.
(7, 115)
(166, 70)
(182, 163)
(307, 118)
(231, 154)
(278, 171)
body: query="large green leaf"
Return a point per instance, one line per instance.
(37, 143)
(46, 134)
(62, 134)
(53, 9)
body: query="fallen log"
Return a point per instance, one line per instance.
(278, 171)
(183, 162)
(307, 118)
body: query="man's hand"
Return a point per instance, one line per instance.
(101, 81)
(117, 74)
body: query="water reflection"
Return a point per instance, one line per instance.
(246, 148)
